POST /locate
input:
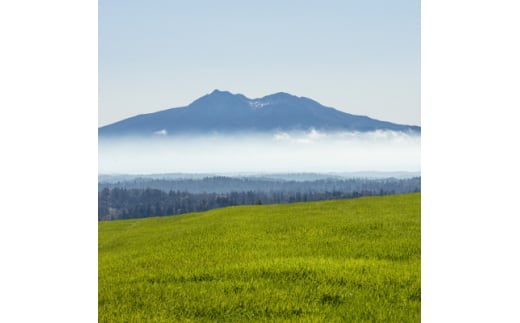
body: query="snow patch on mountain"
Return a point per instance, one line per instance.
(256, 104)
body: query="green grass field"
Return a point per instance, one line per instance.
(355, 260)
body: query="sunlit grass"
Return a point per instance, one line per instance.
(332, 261)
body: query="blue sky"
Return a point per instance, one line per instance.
(362, 57)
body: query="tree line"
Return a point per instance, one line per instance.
(223, 184)
(126, 203)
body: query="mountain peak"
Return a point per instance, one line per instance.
(225, 112)
(218, 92)
(281, 95)
(220, 99)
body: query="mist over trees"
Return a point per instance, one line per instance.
(280, 152)
(140, 198)
(223, 184)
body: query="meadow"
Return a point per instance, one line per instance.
(355, 260)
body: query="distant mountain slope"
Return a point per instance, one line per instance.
(224, 112)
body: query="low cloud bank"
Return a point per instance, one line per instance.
(282, 152)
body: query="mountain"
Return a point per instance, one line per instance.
(224, 112)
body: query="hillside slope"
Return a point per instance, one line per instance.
(224, 112)
(333, 261)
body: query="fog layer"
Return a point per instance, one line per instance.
(280, 152)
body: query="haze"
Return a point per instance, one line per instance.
(280, 152)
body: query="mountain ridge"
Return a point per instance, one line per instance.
(225, 112)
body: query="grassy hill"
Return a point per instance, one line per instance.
(352, 260)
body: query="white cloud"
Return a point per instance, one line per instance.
(282, 152)
(161, 132)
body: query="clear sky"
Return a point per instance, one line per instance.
(361, 57)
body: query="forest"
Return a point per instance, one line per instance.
(139, 198)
